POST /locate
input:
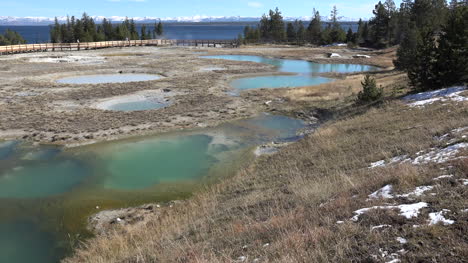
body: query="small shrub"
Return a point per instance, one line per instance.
(370, 92)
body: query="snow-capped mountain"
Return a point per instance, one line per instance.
(11, 20)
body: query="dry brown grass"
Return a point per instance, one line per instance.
(285, 207)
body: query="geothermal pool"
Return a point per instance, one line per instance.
(305, 73)
(47, 192)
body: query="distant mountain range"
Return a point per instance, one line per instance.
(27, 21)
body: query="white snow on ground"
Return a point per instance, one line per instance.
(424, 98)
(377, 164)
(408, 210)
(418, 191)
(384, 192)
(361, 56)
(440, 155)
(334, 55)
(402, 240)
(438, 217)
(435, 156)
(396, 159)
(462, 129)
(380, 226)
(443, 177)
(464, 181)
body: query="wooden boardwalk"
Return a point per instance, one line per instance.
(13, 49)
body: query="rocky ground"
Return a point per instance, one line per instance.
(36, 108)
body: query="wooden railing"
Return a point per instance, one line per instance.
(106, 44)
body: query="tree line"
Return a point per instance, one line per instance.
(86, 30)
(11, 38)
(432, 37)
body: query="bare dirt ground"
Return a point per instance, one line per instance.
(34, 107)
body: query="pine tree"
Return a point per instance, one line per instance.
(301, 32)
(422, 71)
(370, 92)
(336, 33)
(159, 29)
(315, 29)
(143, 35)
(350, 36)
(291, 32)
(379, 26)
(452, 66)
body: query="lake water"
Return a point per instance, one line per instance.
(108, 78)
(212, 31)
(47, 192)
(306, 73)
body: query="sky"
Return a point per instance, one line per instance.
(184, 8)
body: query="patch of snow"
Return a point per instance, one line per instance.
(361, 56)
(396, 260)
(384, 192)
(418, 191)
(464, 181)
(339, 222)
(407, 210)
(438, 217)
(402, 240)
(377, 164)
(442, 137)
(440, 155)
(462, 129)
(380, 226)
(424, 98)
(334, 55)
(396, 159)
(241, 259)
(266, 244)
(443, 177)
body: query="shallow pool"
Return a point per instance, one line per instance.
(59, 188)
(307, 73)
(145, 104)
(108, 78)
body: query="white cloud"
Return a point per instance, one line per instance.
(255, 4)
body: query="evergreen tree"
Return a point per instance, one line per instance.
(291, 32)
(133, 31)
(350, 36)
(370, 92)
(159, 29)
(314, 30)
(422, 71)
(55, 32)
(301, 32)
(335, 32)
(11, 38)
(143, 35)
(380, 26)
(278, 33)
(452, 63)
